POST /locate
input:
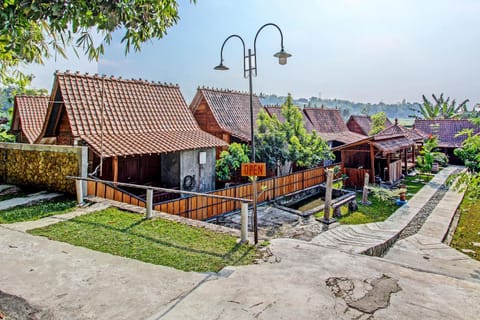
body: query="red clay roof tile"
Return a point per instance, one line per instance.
(31, 111)
(446, 130)
(231, 110)
(139, 117)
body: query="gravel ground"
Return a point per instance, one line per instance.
(417, 222)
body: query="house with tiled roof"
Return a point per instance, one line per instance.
(384, 156)
(225, 113)
(277, 111)
(363, 124)
(446, 130)
(28, 117)
(137, 131)
(330, 126)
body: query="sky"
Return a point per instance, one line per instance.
(358, 50)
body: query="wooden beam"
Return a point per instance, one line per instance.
(115, 169)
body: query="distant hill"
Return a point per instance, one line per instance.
(401, 110)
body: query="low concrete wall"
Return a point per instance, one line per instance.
(42, 166)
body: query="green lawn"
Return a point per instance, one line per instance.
(36, 211)
(468, 230)
(155, 241)
(380, 210)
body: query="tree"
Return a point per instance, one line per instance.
(470, 154)
(32, 30)
(231, 160)
(378, 123)
(442, 108)
(270, 141)
(281, 142)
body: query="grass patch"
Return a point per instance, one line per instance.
(155, 241)
(468, 228)
(380, 210)
(36, 211)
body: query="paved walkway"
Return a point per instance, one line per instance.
(29, 225)
(39, 196)
(425, 250)
(375, 238)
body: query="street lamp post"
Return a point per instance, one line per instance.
(247, 72)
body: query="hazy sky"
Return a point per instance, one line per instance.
(361, 50)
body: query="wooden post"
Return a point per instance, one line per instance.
(365, 190)
(115, 169)
(328, 198)
(372, 163)
(244, 223)
(148, 205)
(406, 163)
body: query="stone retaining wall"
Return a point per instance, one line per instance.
(42, 166)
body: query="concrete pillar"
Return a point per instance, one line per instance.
(148, 204)
(244, 223)
(79, 188)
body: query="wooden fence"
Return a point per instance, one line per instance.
(356, 177)
(201, 207)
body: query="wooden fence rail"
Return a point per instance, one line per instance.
(202, 207)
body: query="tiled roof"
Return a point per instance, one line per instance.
(330, 126)
(151, 142)
(393, 144)
(231, 110)
(446, 130)
(277, 110)
(365, 123)
(139, 116)
(29, 115)
(396, 129)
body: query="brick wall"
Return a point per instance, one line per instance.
(42, 166)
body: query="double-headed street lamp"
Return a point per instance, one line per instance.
(247, 72)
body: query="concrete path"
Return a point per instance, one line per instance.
(375, 238)
(312, 282)
(29, 225)
(69, 282)
(426, 251)
(34, 197)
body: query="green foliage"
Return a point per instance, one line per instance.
(378, 123)
(31, 30)
(37, 211)
(466, 235)
(277, 142)
(470, 154)
(157, 241)
(442, 108)
(270, 141)
(231, 160)
(382, 205)
(429, 155)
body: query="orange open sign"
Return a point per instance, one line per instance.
(254, 169)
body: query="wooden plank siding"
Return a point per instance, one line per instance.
(204, 207)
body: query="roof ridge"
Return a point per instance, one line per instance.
(96, 76)
(223, 90)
